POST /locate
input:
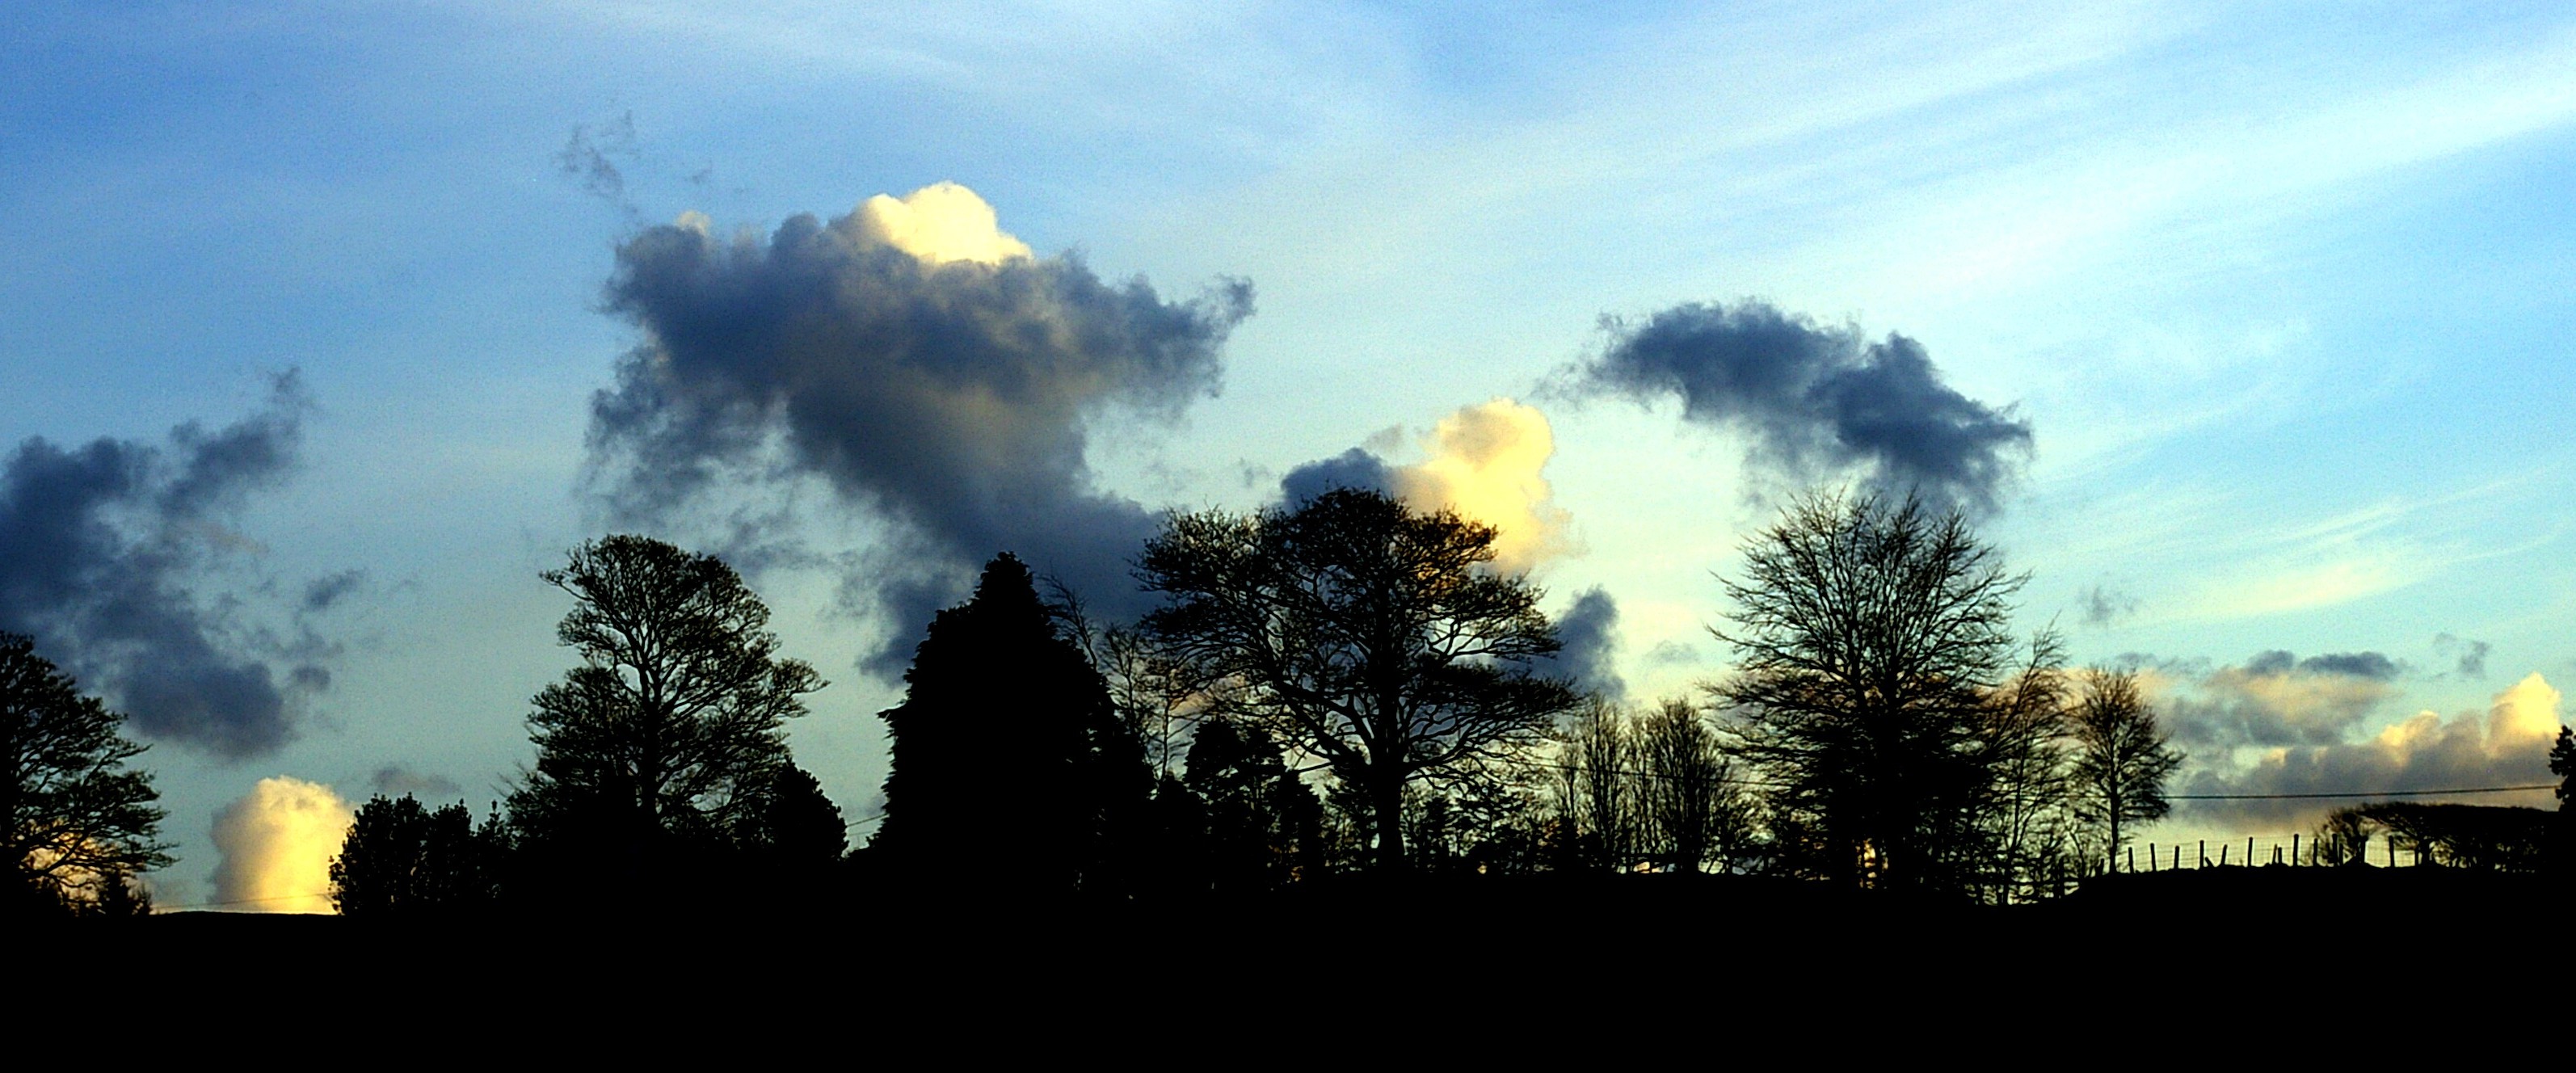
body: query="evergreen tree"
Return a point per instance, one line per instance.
(1008, 764)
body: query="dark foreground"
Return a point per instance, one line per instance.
(1712, 943)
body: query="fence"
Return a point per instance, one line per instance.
(2299, 850)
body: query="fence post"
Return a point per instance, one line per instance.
(2204, 853)
(2133, 860)
(2294, 851)
(2249, 851)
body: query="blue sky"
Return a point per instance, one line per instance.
(2279, 289)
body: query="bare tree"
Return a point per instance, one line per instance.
(1691, 809)
(1872, 638)
(2122, 758)
(1600, 752)
(1362, 633)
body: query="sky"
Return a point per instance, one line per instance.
(328, 326)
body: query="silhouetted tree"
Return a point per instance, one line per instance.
(1873, 638)
(796, 830)
(81, 826)
(1603, 795)
(1256, 808)
(2562, 836)
(400, 858)
(1362, 633)
(1692, 811)
(663, 739)
(1008, 761)
(2122, 758)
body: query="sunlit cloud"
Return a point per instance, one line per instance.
(939, 223)
(1485, 462)
(277, 842)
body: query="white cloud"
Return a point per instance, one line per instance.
(1486, 462)
(277, 842)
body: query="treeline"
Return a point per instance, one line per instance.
(1335, 686)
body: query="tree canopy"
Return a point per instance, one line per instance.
(1363, 633)
(1007, 757)
(81, 824)
(676, 719)
(1873, 689)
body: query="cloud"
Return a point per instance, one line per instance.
(2507, 745)
(2103, 605)
(395, 780)
(2469, 657)
(105, 544)
(1817, 399)
(1589, 630)
(1354, 468)
(586, 156)
(2275, 699)
(276, 843)
(1485, 461)
(918, 361)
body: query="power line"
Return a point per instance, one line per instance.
(2365, 793)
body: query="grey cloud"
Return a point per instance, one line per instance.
(2449, 754)
(587, 156)
(2102, 605)
(2470, 660)
(1817, 399)
(954, 399)
(395, 780)
(1589, 631)
(1354, 468)
(2275, 699)
(105, 542)
(325, 592)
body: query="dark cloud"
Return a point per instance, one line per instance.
(1354, 468)
(105, 542)
(395, 780)
(1589, 630)
(1817, 399)
(953, 398)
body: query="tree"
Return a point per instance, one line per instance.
(401, 859)
(1007, 757)
(2122, 758)
(676, 719)
(1362, 633)
(1873, 638)
(81, 826)
(1692, 813)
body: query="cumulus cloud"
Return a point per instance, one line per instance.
(276, 843)
(1589, 630)
(921, 363)
(106, 543)
(1486, 461)
(2506, 745)
(1817, 399)
(2275, 699)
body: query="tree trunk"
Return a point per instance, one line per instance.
(1386, 798)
